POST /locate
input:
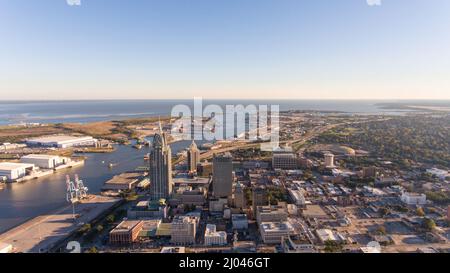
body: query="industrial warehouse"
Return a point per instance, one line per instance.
(45, 161)
(62, 141)
(34, 166)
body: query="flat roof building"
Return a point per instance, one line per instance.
(239, 221)
(188, 196)
(214, 237)
(149, 228)
(62, 141)
(298, 197)
(284, 161)
(44, 161)
(183, 230)
(125, 181)
(276, 213)
(274, 232)
(13, 171)
(325, 235)
(126, 232)
(297, 244)
(170, 249)
(411, 198)
(148, 209)
(314, 211)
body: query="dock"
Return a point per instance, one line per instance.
(43, 233)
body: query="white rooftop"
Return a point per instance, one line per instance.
(36, 156)
(326, 235)
(59, 138)
(276, 226)
(8, 166)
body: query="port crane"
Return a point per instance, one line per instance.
(75, 192)
(81, 189)
(71, 191)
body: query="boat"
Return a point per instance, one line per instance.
(137, 146)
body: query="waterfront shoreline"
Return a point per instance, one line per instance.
(56, 226)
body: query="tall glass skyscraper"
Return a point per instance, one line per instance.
(160, 167)
(222, 175)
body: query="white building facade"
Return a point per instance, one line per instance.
(413, 198)
(13, 171)
(44, 161)
(214, 237)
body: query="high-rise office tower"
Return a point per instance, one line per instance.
(329, 160)
(259, 198)
(193, 157)
(160, 167)
(222, 175)
(239, 196)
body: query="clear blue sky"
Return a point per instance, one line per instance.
(330, 49)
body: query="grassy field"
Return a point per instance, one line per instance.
(119, 131)
(14, 134)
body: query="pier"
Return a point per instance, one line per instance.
(43, 233)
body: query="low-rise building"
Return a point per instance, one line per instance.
(62, 141)
(126, 232)
(214, 237)
(217, 204)
(148, 209)
(325, 235)
(149, 228)
(441, 174)
(13, 171)
(11, 146)
(285, 160)
(314, 211)
(272, 213)
(170, 249)
(410, 198)
(274, 232)
(298, 197)
(183, 230)
(297, 244)
(188, 196)
(44, 161)
(239, 221)
(122, 182)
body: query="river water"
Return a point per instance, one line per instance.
(20, 202)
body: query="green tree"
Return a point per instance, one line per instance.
(110, 218)
(99, 228)
(429, 224)
(420, 212)
(92, 250)
(333, 247)
(381, 230)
